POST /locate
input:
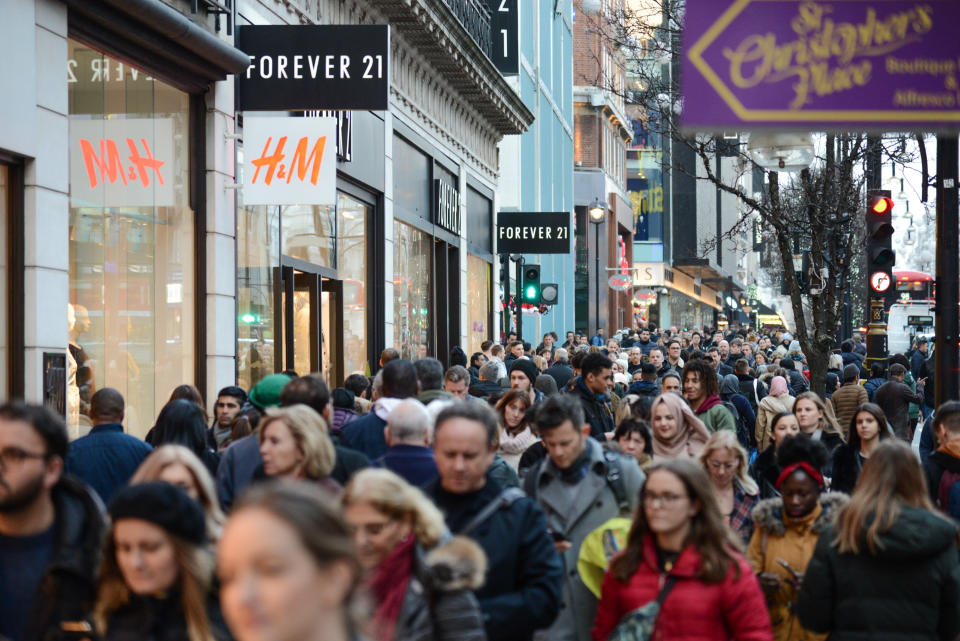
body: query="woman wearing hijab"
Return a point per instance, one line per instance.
(777, 402)
(677, 432)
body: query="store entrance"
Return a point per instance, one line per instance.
(309, 321)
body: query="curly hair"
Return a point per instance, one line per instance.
(800, 448)
(386, 492)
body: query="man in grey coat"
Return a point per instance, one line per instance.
(580, 486)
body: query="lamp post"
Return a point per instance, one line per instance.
(597, 214)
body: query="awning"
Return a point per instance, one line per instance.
(156, 38)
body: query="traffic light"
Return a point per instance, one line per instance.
(549, 293)
(531, 284)
(880, 254)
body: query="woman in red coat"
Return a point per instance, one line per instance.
(679, 533)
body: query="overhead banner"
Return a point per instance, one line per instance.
(533, 232)
(289, 161)
(300, 67)
(122, 162)
(873, 64)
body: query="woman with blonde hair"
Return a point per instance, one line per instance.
(422, 580)
(177, 465)
(294, 444)
(516, 432)
(817, 422)
(677, 432)
(725, 461)
(888, 568)
(157, 572)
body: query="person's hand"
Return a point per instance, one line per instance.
(922, 382)
(562, 546)
(769, 583)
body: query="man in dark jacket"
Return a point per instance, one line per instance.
(522, 591)
(647, 385)
(106, 458)
(523, 375)
(592, 388)
(398, 380)
(51, 528)
(849, 356)
(487, 386)
(753, 389)
(919, 358)
(560, 370)
(894, 398)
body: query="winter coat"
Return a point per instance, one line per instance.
(908, 591)
(597, 412)
(693, 610)
(715, 416)
(366, 435)
(770, 406)
(872, 385)
(846, 469)
(485, 389)
(149, 618)
(933, 468)
(503, 473)
(747, 389)
(439, 604)
(68, 590)
(561, 373)
(798, 382)
(414, 463)
(106, 458)
(777, 537)
(341, 418)
(894, 399)
(524, 576)
(513, 447)
(576, 514)
(765, 472)
(846, 400)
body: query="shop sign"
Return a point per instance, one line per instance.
(533, 232)
(344, 129)
(122, 162)
(620, 282)
(294, 67)
(878, 64)
(446, 206)
(505, 29)
(648, 274)
(289, 161)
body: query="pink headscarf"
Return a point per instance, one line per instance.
(778, 386)
(691, 434)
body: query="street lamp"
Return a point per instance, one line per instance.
(597, 213)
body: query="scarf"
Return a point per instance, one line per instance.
(707, 403)
(575, 473)
(383, 406)
(389, 585)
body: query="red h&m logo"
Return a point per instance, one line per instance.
(300, 163)
(107, 166)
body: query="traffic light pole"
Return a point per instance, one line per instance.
(945, 355)
(519, 299)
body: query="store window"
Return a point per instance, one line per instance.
(258, 253)
(352, 219)
(6, 202)
(308, 233)
(412, 298)
(478, 302)
(132, 246)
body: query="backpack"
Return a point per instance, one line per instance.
(948, 494)
(743, 432)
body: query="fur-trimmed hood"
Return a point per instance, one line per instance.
(769, 513)
(457, 563)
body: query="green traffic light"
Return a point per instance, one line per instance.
(248, 318)
(531, 292)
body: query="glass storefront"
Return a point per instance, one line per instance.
(687, 312)
(258, 250)
(352, 220)
(478, 302)
(132, 249)
(412, 299)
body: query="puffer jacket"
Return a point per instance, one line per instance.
(846, 400)
(777, 537)
(439, 604)
(872, 385)
(770, 406)
(693, 610)
(908, 591)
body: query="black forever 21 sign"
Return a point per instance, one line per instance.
(294, 67)
(533, 233)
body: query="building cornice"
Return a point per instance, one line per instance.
(432, 28)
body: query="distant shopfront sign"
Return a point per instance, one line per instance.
(834, 64)
(533, 233)
(289, 161)
(300, 67)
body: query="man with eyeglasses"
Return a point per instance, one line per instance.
(50, 529)
(592, 388)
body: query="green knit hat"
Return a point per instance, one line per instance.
(266, 393)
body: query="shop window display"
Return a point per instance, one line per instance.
(412, 299)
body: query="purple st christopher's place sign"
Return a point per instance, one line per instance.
(836, 64)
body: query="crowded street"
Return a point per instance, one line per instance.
(479, 320)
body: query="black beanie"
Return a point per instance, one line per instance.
(164, 505)
(527, 367)
(343, 398)
(458, 356)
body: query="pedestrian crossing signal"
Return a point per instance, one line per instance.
(531, 284)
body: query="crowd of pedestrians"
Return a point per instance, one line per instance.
(653, 484)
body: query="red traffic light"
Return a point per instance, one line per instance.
(882, 205)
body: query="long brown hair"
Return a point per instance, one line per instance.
(709, 533)
(508, 399)
(891, 479)
(195, 565)
(827, 422)
(877, 412)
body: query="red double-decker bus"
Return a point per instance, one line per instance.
(914, 285)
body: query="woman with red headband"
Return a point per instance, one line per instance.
(786, 530)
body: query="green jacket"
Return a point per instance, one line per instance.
(718, 417)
